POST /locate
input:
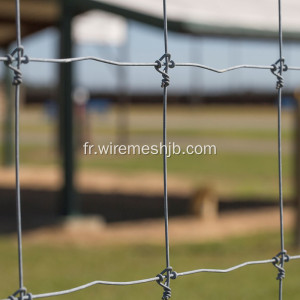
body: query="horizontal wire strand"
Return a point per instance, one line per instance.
(248, 263)
(294, 68)
(226, 69)
(83, 58)
(92, 58)
(144, 64)
(142, 281)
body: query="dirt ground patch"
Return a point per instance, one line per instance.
(92, 231)
(51, 178)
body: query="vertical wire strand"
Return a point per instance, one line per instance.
(280, 191)
(165, 100)
(17, 147)
(280, 149)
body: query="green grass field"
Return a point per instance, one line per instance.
(51, 268)
(245, 166)
(245, 137)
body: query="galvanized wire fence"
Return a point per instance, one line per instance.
(14, 61)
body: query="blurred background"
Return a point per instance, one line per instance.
(79, 208)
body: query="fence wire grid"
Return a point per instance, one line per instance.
(17, 57)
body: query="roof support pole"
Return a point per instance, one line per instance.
(69, 203)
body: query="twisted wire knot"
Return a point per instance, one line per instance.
(20, 58)
(168, 64)
(277, 70)
(20, 294)
(279, 259)
(170, 274)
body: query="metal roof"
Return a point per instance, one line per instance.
(235, 18)
(247, 18)
(35, 15)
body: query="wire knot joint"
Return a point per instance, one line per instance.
(17, 55)
(277, 69)
(167, 64)
(278, 262)
(21, 294)
(166, 284)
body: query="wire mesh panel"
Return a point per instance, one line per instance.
(14, 62)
